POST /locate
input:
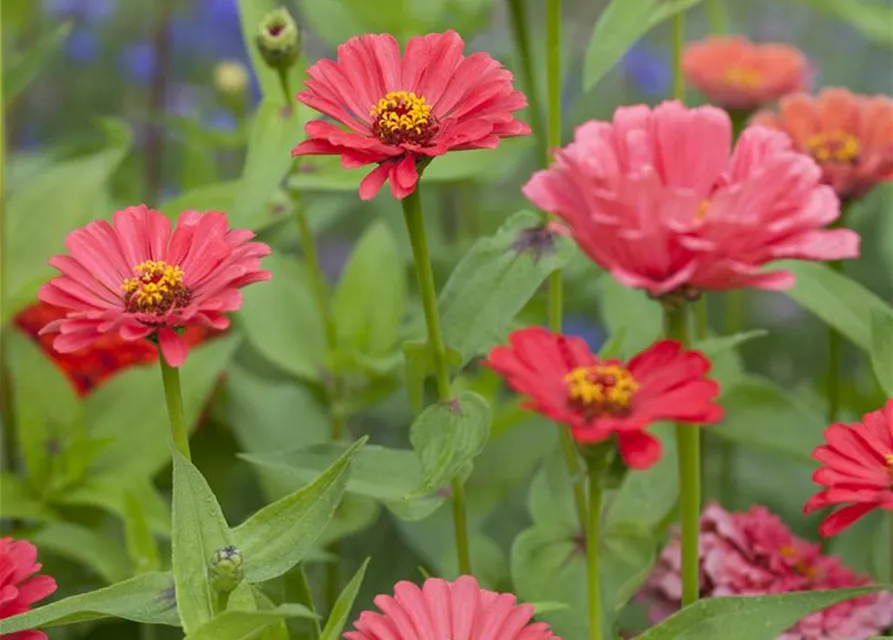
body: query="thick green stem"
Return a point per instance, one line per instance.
(717, 17)
(569, 449)
(553, 76)
(174, 399)
(415, 227)
(593, 542)
(286, 89)
(221, 601)
(521, 34)
(678, 46)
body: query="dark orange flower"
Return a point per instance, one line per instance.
(849, 135)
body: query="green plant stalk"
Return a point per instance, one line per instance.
(297, 578)
(147, 632)
(221, 601)
(593, 542)
(688, 441)
(173, 397)
(286, 88)
(521, 35)
(678, 46)
(717, 17)
(415, 227)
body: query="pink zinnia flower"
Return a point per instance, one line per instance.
(140, 280)
(441, 610)
(19, 587)
(856, 471)
(659, 199)
(735, 73)
(849, 135)
(754, 553)
(401, 111)
(599, 399)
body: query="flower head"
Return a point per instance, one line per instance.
(754, 553)
(402, 110)
(19, 587)
(441, 610)
(599, 398)
(850, 136)
(856, 471)
(659, 198)
(735, 73)
(139, 279)
(279, 39)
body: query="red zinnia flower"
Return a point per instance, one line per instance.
(402, 110)
(849, 135)
(601, 398)
(735, 73)
(656, 198)
(19, 587)
(856, 471)
(441, 610)
(138, 279)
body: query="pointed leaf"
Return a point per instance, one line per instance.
(141, 544)
(882, 349)
(343, 605)
(97, 551)
(246, 625)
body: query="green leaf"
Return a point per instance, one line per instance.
(209, 197)
(418, 363)
(141, 545)
(882, 349)
(747, 617)
(619, 27)
(370, 301)
(716, 346)
(278, 536)
(247, 625)
(25, 67)
(109, 492)
(448, 436)
(148, 598)
(343, 605)
(18, 501)
(199, 529)
(630, 311)
(870, 17)
(91, 548)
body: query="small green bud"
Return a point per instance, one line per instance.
(225, 569)
(279, 40)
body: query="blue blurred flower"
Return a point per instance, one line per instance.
(82, 46)
(592, 333)
(221, 120)
(137, 62)
(648, 69)
(89, 11)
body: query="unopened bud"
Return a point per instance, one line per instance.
(225, 570)
(279, 40)
(231, 78)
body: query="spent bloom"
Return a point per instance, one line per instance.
(856, 470)
(753, 553)
(140, 279)
(737, 74)
(19, 587)
(442, 610)
(600, 398)
(850, 136)
(659, 198)
(399, 111)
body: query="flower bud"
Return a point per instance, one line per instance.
(225, 569)
(279, 40)
(231, 78)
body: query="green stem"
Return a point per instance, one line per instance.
(689, 444)
(717, 17)
(702, 327)
(835, 344)
(284, 83)
(174, 399)
(415, 227)
(221, 601)
(521, 34)
(553, 76)
(147, 632)
(678, 46)
(593, 541)
(569, 449)
(734, 311)
(303, 594)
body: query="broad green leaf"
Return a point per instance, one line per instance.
(281, 321)
(108, 492)
(713, 347)
(418, 363)
(101, 553)
(492, 283)
(199, 529)
(24, 67)
(548, 607)
(247, 625)
(210, 197)
(141, 545)
(747, 617)
(370, 301)
(882, 349)
(447, 436)
(343, 605)
(278, 536)
(630, 311)
(619, 27)
(148, 598)
(870, 17)
(18, 501)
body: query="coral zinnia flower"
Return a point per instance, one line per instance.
(856, 471)
(400, 111)
(737, 74)
(139, 280)
(656, 198)
(849, 135)
(754, 553)
(598, 398)
(441, 610)
(19, 587)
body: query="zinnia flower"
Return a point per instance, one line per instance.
(402, 111)
(19, 587)
(849, 135)
(736, 74)
(599, 398)
(856, 471)
(656, 198)
(441, 610)
(137, 279)
(754, 553)
(89, 367)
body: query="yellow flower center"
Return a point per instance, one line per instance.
(889, 458)
(802, 566)
(156, 288)
(601, 390)
(702, 209)
(743, 77)
(834, 146)
(403, 117)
